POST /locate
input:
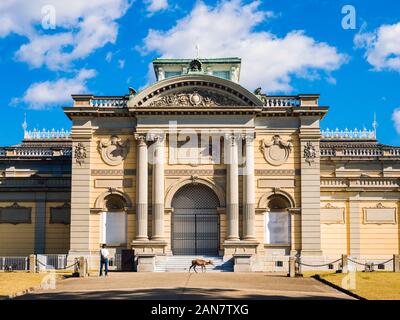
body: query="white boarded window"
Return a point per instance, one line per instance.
(277, 227)
(113, 228)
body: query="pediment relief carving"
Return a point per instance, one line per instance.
(277, 151)
(195, 98)
(113, 151)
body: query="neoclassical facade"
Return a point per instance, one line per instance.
(197, 165)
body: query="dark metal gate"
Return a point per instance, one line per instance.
(195, 223)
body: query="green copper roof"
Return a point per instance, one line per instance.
(187, 61)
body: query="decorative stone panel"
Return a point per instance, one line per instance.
(380, 215)
(332, 215)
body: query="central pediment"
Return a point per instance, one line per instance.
(195, 98)
(193, 91)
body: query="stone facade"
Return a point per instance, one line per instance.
(283, 188)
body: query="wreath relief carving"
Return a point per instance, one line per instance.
(80, 153)
(310, 153)
(276, 151)
(113, 151)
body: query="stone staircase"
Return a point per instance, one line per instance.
(182, 264)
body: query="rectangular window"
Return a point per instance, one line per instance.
(170, 74)
(60, 215)
(277, 228)
(15, 214)
(113, 228)
(222, 74)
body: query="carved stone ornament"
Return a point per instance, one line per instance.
(196, 98)
(195, 66)
(80, 153)
(113, 151)
(276, 152)
(194, 179)
(330, 206)
(310, 153)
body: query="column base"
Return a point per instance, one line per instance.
(141, 239)
(157, 247)
(239, 247)
(250, 238)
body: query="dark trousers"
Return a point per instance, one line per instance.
(103, 263)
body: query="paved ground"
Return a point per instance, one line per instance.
(174, 286)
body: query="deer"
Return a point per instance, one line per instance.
(202, 263)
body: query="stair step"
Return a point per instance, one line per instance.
(183, 263)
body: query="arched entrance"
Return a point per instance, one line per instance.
(195, 221)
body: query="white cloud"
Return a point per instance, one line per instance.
(396, 119)
(42, 95)
(156, 5)
(109, 56)
(81, 28)
(228, 30)
(382, 47)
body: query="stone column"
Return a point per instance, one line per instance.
(158, 188)
(249, 232)
(141, 187)
(233, 187)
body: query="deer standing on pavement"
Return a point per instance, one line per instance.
(200, 262)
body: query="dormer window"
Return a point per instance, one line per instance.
(222, 74)
(170, 74)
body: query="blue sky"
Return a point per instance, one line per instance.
(287, 47)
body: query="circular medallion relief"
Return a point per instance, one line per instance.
(276, 152)
(195, 99)
(113, 151)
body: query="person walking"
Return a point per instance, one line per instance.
(104, 260)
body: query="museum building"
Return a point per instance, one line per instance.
(195, 165)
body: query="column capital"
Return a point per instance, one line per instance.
(248, 137)
(158, 137)
(141, 138)
(232, 138)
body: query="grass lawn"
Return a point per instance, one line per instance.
(371, 285)
(14, 282)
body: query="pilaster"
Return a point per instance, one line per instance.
(310, 186)
(80, 188)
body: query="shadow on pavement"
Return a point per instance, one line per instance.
(179, 293)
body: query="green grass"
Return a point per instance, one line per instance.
(14, 282)
(370, 285)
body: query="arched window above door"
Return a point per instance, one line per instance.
(115, 202)
(277, 221)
